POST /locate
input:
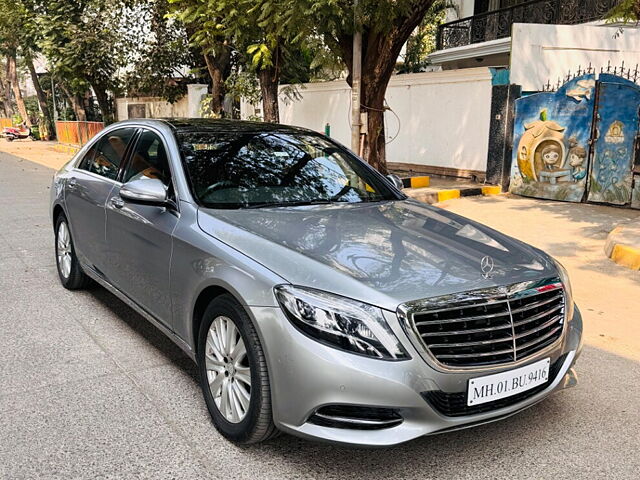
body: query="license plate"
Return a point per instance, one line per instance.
(505, 384)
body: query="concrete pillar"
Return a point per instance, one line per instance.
(195, 92)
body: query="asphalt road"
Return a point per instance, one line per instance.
(88, 389)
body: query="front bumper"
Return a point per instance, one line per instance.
(306, 375)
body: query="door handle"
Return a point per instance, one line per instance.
(117, 202)
(71, 184)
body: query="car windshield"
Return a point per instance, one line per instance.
(268, 169)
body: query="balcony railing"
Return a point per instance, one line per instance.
(497, 24)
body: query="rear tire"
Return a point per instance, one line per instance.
(69, 270)
(226, 333)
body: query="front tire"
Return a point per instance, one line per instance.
(71, 275)
(233, 373)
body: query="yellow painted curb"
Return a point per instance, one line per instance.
(492, 190)
(626, 256)
(420, 182)
(448, 195)
(61, 147)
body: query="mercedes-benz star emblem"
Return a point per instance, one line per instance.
(486, 265)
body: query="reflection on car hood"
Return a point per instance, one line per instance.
(381, 253)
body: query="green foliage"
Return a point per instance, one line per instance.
(205, 108)
(162, 54)
(87, 42)
(627, 11)
(422, 41)
(243, 85)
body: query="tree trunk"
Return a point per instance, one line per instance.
(218, 67)
(42, 100)
(76, 104)
(380, 52)
(269, 89)
(269, 78)
(375, 141)
(12, 75)
(104, 102)
(5, 94)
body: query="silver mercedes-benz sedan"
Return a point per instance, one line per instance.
(315, 298)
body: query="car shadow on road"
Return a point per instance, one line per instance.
(147, 333)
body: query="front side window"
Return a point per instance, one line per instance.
(258, 169)
(148, 160)
(109, 152)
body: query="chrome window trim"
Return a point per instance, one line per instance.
(95, 175)
(406, 311)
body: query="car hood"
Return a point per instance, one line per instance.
(380, 253)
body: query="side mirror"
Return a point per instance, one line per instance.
(148, 191)
(396, 181)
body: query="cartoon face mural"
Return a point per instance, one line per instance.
(552, 131)
(577, 160)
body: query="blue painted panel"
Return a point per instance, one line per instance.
(551, 141)
(611, 175)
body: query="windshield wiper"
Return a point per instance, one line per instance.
(315, 201)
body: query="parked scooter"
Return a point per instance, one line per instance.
(17, 133)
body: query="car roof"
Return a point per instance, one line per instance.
(201, 125)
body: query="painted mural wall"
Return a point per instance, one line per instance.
(559, 154)
(611, 179)
(551, 141)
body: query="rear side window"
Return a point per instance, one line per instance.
(107, 154)
(85, 163)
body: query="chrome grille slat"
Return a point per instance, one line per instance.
(537, 316)
(538, 329)
(466, 332)
(534, 305)
(465, 319)
(538, 339)
(471, 355)
(439, 310)
(491, 327)
(471, 344)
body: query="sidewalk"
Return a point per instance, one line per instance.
(40, 152)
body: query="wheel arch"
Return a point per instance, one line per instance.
(205, 297)
(57, 211)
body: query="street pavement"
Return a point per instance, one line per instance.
(89, 389)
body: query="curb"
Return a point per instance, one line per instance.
(453, 193)
(618, 249)
(64, 148)
(416, 182)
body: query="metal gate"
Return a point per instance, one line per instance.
(579, 143)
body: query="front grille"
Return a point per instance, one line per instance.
(492, 328)
(455, 404)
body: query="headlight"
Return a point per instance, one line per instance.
(340, 322)
(564, 278)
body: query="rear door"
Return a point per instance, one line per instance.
(86, 193)
(139, 237)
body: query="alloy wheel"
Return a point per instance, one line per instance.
(64, 249)
(228, 371)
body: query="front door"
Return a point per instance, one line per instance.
(87, 191)
(617, 121)
(139, 237)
